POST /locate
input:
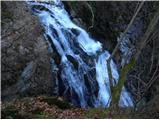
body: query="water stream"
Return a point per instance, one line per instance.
(82, 69)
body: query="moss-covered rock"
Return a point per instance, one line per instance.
(42, 116)
(54, 101)
(9, 112)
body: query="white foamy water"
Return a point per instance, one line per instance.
(83, 72)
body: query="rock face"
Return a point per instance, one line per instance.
(110, 20)
(102, 19)
(25, 58)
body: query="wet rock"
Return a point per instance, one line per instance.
(76, 32)
(73, 61)
(55, 70)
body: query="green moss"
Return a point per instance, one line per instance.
(42, 116)
(114, 113)
(115, 91)
(109, 73)
(96, 113)
(58, 103)
(9, 112)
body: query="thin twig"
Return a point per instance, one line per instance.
(92, 15)
(152, 59)
(147, 34)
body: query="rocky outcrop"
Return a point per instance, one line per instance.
(102, 19)
(110, 20)
(25, 58)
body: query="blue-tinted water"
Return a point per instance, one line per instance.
(83, 67)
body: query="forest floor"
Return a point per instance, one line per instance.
(47, 107)
(53, 108)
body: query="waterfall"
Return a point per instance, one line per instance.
(83, 69)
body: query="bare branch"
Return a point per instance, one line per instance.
(126, 30)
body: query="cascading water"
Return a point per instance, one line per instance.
(83, 64)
